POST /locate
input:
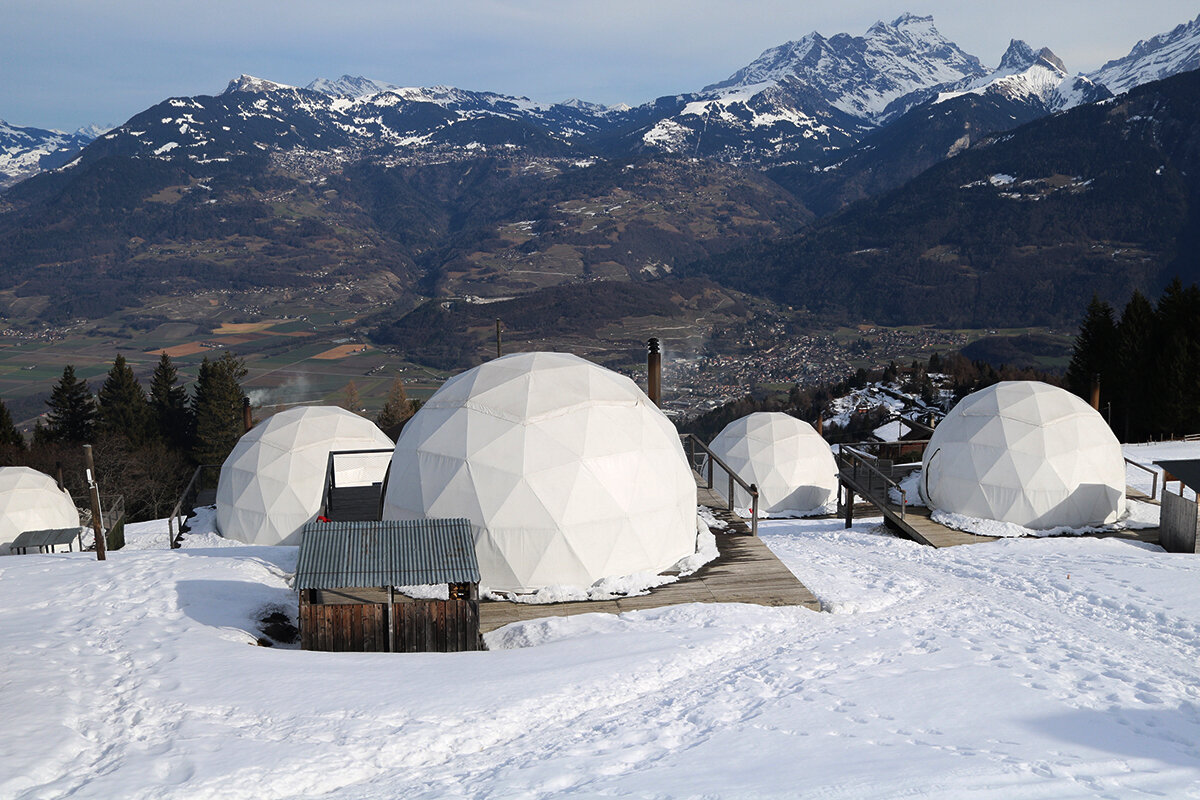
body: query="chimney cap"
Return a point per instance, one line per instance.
(652, 344)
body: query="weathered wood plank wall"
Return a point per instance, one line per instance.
(437, 626)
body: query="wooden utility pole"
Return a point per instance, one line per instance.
(97, 522)
(497, 337)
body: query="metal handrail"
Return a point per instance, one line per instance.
(856, 457)
(1153, 473)
(331, 478)
(692, 441)
(178, 515)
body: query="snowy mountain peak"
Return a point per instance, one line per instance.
(1153, 59)
(911, 24)
(866, 77)
(1047, 55)
(1032, 77)
(1018, 57)
(351, 86)
(249, 83)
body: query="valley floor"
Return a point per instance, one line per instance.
(1043, 668)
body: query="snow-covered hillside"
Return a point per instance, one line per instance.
(1159, 57)
(1018, 669)
(28, 151)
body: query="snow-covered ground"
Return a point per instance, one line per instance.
(1021, 669)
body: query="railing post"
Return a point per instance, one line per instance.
(754, 509)
(730, 490)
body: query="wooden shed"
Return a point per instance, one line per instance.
(1179, 526)
(377, 586)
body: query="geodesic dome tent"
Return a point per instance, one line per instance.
(784, 457)
(567, 471)
(31, 501)
(271, 483)
(1027, 453)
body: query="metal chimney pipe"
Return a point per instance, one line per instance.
(247, 417)
(1096, 392)
(654, 372)
(820, 424)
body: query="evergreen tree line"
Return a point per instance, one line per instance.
(1147, 362)
(145, 445)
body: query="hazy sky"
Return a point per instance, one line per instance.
(68, 63)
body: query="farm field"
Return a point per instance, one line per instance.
(289, 361)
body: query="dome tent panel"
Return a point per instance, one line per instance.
(31, 501)
(558, 449)
(1027, 453)
(791, 465)
(272, 483)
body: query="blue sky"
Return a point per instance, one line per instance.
(68, 63)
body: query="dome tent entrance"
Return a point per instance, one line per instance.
(784, 457)
(271, 483)
(31, 501)
(1027, 453)
(567, 471)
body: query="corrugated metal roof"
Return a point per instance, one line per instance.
(1187, 471)
(337, 555)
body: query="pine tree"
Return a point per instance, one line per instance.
(217, 406)
(1133, 393)
(396, 410)
(10, 437)
(1094, 354)
(169, 410)
(1177, 348)
(123, 409)
(72, 415)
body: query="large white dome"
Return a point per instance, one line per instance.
(567, 471)
(32, 501)
(790, 463)
(271, 483)
(1028, 453)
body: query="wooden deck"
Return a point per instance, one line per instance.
(915, 523)
(746, 571)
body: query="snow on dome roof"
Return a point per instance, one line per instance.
(784, 457)
(567, 471)
(271, 483)
(1027, 453)
(31, 501)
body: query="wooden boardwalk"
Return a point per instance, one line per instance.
(746, 571)
(915, 522)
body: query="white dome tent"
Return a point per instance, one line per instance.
(1027, 453)
(271, 483)
(567, 471)
(31, 501)
(784, 457)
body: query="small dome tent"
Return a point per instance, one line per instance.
(31, 501)
(271, 483)
(784, 457)
(1027, 453)
(567, 471)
